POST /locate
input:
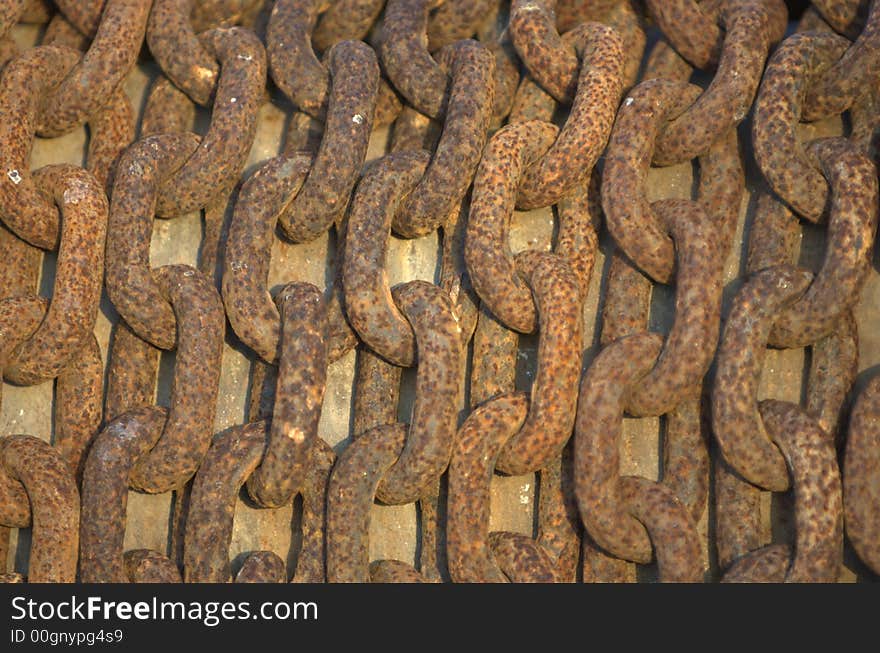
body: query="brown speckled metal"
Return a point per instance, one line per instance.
(460, 146)
(784, 162)
(818, 497)
(852, 226)
(88, 86)
(405, 57)
(736, 422)
(299, 396)
(221, 155)
(861, 476)
(54, 505)
(368, 302)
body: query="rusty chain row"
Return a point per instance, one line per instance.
(491, 107)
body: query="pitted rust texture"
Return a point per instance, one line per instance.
(261, 567)
(736, 422)
(414, 131)
(567, 164)
(626, 19)
(487, 250)
(394, 571)
(368, 303)
(454, 277)
(686, 456)
(458, 151)
(690, 345)
(842, 15)
(852, 226)
(722, 188)
(15, 509)
(432, 515)
(61, 31)
(571, 13)
(132, 370)
(220, 158)
(183, 58)
(552, 63)
(187, 434)
(295, 67)
(774, 236)
(627, 300)
(54, 505)
(685, 452)
(811, 21)
(597, 566)
(861, 476)
(206, 14)
(665, 63)
(23, 84)
(87, 87)
(78, 410)
(865, 120)
(834, 365)
(729, 96)
(10, 14)
(478, 444)
(146, 566)
(37, 12)
(812, 463)
(494, 35)
(737, 515)
(85, 16)
(350, 495)
(603, 394)
(116, 450)
(299, 396)
(130, 283)
(558, 519)
(73, 310)
(629, 216)
(768, 564)
(263, 198)
(167, 110)
(376, 392)
(310, 563)
(454, 20)
(20, 316)
(692, 29)
(346, 19)
(836, 90)
(531, 102)
(22, 278)
(406, 60)
(112, 130)
(325, 194)
(785, 164)
(9, 50)
(553, 397)
(672, 531)
(432, 426)
(229, 462)
(494, 359)
(521, 558)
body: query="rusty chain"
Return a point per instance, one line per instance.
(455, 125)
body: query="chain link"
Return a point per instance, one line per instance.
(411, 123)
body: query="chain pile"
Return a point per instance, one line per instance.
(492, 107)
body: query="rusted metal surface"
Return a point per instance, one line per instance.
(519, 285)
